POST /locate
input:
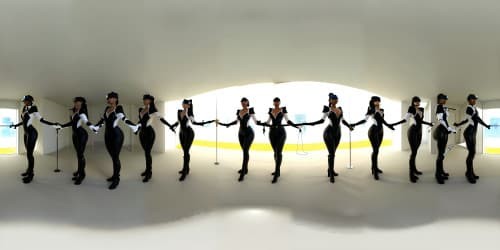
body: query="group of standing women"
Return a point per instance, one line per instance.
(113, 135)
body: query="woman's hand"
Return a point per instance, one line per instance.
(172, 128)
(94, 128)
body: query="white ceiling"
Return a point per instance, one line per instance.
(174, 48)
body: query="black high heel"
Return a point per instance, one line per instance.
(114, 184)
(80, 179)
(470, 178)
(147, 177)
(375, 173)
(439, 179)
(413, 178)
(275, 179)
(28, 178)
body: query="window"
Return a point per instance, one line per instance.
(491, 142)
(8, 136)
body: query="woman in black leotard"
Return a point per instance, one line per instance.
(441, 136)
(376, 131)
(113, 135)
(415, 115)
(80, 135)
(147, 133)
(28, 115)
(185, 117)
(277, 133)
(472, 120)
(332, 132)
(245, 133)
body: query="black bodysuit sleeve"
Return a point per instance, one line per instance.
(385, 122)
(368, 112)
(65, 125)
(320, 121)
(233, 122)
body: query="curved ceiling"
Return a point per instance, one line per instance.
(175, 48)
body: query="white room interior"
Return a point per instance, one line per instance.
(215, 52)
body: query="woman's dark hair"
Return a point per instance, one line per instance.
(276, 99)
(414, 100)
(372, 102)
(83, 109)
(190, 103)
(332, 96)
(152, 105)
(244, 99)
(112, 95)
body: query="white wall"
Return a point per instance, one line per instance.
(47, 137)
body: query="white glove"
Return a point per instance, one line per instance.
(135, 128)
(95, 129)
(452, 129)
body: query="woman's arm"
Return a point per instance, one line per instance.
(65, 125)
(387, 124)
(35, 114)
(266, 123)
(428, 123)
(120, 114)
(361, 122)
(468, 117)
(14, 126)
(194, 122)
(228, 124)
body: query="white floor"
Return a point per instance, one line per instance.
(211, 210)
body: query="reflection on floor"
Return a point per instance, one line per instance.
(211, 210)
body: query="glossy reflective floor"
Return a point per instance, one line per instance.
(211, 210)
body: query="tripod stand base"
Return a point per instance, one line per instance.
(216, 163)
(57, 170)
(350, 167)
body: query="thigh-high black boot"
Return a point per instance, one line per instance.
(470, 141)
(414, 139)
(186, 138)
(245, 136)
(147, 138)
(331, 136)
(376, 135)
(114, 141)
(277, 137)
(30, 137)
(80, 138)
(441, 136)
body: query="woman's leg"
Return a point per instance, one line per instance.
(279, 143)
(186, 142)
(329, 140)
(30, 138)
(147, 138)
(470, 141)
(246, 138)
(441, 135)
(414, 139)
(80, 143)
(116, 143)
